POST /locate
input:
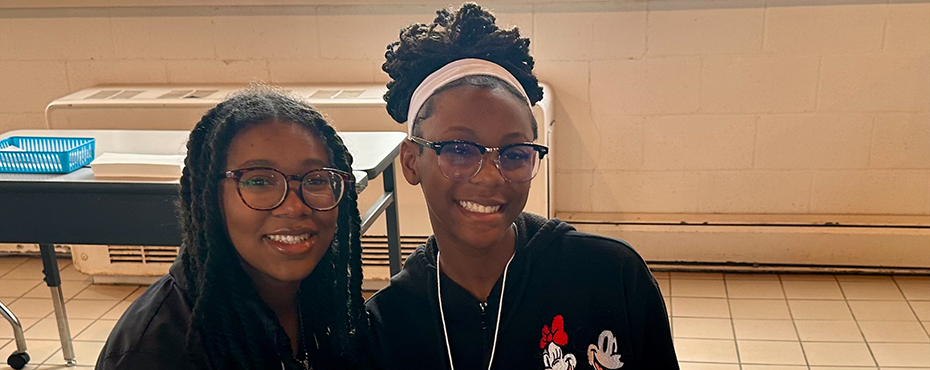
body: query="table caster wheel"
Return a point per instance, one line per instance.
(18, 360)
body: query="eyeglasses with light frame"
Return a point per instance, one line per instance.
(461, 160)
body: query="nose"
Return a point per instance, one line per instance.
(489, 173)
(292, 206)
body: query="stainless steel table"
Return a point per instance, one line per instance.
(76, 208)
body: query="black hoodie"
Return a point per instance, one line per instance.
(152, 333)
(572, 301)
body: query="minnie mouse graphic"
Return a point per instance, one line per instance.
(553, 338)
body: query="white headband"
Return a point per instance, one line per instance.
(454, 71)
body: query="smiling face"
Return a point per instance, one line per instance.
(286, 243)
(476, 212)
(554, 359)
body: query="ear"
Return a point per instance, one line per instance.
(409, 154)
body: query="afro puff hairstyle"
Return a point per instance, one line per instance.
(469, 32)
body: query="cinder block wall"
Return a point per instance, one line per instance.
(732, 107)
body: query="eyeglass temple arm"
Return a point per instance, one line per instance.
(426, 144)
(542, 151)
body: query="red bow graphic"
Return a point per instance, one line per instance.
(556, 333)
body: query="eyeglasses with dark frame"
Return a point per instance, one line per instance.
(265, 188)
(461, 160)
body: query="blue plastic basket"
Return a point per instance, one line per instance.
(45, 154)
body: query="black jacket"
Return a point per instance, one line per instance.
(152, 333)
(572, 301)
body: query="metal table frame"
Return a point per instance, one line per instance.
(77, 209)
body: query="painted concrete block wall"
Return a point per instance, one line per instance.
(662, 106)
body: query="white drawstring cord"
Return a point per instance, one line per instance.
(497, 325)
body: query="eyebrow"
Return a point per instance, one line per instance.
(514, 135)
(267, 163)
(465, 130)
(473, 134)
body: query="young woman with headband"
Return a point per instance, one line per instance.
(496, 288)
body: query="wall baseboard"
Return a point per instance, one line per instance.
(29, 249)
(756, 268)
(849, 247)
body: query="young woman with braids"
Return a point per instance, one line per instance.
(269, 275)
(496, 288)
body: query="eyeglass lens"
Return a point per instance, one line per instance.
(462, 161)
(267, 189)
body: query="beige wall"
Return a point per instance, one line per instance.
(734, 107)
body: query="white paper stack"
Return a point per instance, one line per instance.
(128, 165)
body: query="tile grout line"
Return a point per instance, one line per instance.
(669, 308)
(14, 267)
(726, 289)
(794, 324)
(51, 314)
(909, 305)
(42, 362)
(726, 293)
(849, 307)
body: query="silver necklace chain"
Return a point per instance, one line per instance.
(305, 363)
(500, 306)
(303, 343)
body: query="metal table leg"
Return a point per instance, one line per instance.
(53, 280)
(17, 328)
(393, 229)
(19, 358)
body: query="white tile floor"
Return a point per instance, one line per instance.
(719, 321)
(92, 312)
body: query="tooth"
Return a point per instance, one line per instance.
(478, 208)
(289, 239)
